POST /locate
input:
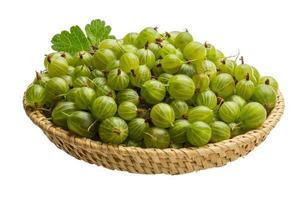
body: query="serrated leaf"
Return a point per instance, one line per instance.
(97, 31)
(72, 42)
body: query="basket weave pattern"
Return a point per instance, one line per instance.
(154, 161)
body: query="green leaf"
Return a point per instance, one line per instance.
(75, 40)
(72, 42)
(97, 31)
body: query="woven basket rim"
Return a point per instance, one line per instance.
(92, 145)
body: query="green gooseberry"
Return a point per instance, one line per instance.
(97, 73)
(266, 95)
(103, 107)
(83, 81)
(105, 90)
(237, 99)
(157, 138)
(187, 69)
(252, 115)
(153, 91)
(226, 66)
(182, 39)
(82, 123)
(104, 59)
(81, 70)
(70, 71)
(171, 36)
(58, 66)
(206, 98)
(130, 38)
(235, 129)
(155, 48)
(164, 78)
(200, 113)
(99, 81)
(229, 111)
(220, 131)
(117, 79)
(84, 98)
(146, 57)
(113, 130)
(129, 48)
(268, 80)
(223, 85)
(178, 133)
(127, 95)
(211, 52)
(148, 34)
(245, 88)
(241, 70)
(207, 67)
(35, 95)
(157, 70)
(195, 51)
(140, 76)
(83, 58)
(113, 45)
(137, 128)
(72, 93)
(199, 134)
(56, 87)
(127, 110)
(41, 79)
(166, 49)
(181, 87)
(129, 62)
(201, 81)
(162, 115)
(180, 108)
(61, 112)
(171, 63)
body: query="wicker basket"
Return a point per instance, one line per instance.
(154, 161)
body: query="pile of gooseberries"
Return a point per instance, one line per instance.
(152, 90)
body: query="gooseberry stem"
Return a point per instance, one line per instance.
(220, 101)
(38, 76)
(117, 131)
(133, 72)
(266, 82)
(247, 77)
(119, 71)
(206, 45)
(189, 61)
(149, 135)
(167, 34)
(242, 60)
(146, 45)
(91, 125)
(81, 55)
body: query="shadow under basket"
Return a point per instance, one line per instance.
(155, 161)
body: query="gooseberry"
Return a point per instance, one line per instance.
(181, 87)
(199, 134)
(157, 138)
(113, 130)
(162, 115)
(103, 107)
(220, 131)
(200, 113)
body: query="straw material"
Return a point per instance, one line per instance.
(154, 161)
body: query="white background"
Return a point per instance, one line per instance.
(268, 34)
